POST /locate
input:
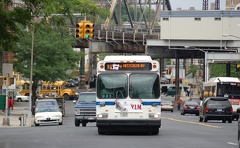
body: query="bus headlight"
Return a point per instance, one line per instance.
(103, 115)
(154, 116)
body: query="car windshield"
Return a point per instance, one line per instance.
(87, 97)
(48, 109)
(44, 103)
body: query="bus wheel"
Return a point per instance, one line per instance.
(156, 131)
(101, 131)
(66, 97)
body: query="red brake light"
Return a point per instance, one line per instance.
(198, 108)
(206, 109)
(185, 107)
(231, 109)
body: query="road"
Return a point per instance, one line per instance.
(177, 131)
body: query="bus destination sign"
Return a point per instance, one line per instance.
(128, 66)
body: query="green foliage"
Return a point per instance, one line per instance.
(8, 34)
(219, 70)
(193, 69)
(53, 53)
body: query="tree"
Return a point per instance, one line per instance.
(53, 54)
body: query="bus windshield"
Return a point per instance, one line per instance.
(112, 86)
(227, 89)
(141, 86)
(147, 88)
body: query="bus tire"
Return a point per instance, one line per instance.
(66, 97)
(101, 131)
(156, 131)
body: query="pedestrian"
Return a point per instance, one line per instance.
(179, 101)
(10, 105)
(187, 93)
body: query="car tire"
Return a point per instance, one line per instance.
(19, 100)
(171, 110)
(183, 113)
(197, 114)
(66, 97)
(77, 123)
(36, 124)
(61, 123)
(224, 120)
(230, 121)
(200, 119)
(205, 119)
(84, 124)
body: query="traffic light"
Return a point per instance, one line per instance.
(238, 68)
(80, 33)
(89, 30)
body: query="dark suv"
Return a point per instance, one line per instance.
(216, 108)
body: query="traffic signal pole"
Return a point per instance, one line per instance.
(6, 120)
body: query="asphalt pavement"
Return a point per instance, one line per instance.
(22, 112)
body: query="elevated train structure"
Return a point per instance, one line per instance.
(210, 36)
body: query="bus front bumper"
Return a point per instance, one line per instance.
(133, 123)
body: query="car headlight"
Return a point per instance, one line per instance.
(77, 111)
(103, 115)
(37, 117)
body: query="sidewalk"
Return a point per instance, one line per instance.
(14, 118)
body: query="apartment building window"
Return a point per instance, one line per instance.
(217, 19)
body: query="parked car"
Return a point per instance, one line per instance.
(47, 114)
(190, 107)
(85, 108)
(70, 83)
(19, 98)
(216, 108)
(167, 106)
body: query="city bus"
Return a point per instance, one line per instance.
(128, 95)
(224, 87)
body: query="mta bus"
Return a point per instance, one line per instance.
(224, 87)
(128, 95)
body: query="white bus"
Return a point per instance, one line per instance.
(224, 87)
(128, 95)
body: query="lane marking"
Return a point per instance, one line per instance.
(197, 123)
(231, 143)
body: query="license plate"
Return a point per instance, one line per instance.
(219, 110)
(124, 114)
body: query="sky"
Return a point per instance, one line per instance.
(186, 4)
